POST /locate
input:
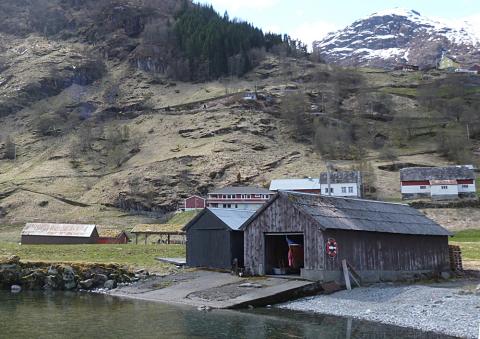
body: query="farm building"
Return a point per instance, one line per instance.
(337, 184)
(309, 235)
(43, 233)
(438, 183)
(214, 238)
(112, 236)
(194, 203)
(245, 198)
(164, 233)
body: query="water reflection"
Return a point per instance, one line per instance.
(70, 315)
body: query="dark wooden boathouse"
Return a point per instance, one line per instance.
(44, 233)
(381, 241)
(214, 238)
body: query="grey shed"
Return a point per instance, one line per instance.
(381, 241)
(214, 238)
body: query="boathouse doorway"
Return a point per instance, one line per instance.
(284, 253)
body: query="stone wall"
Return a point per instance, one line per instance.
(68, 277)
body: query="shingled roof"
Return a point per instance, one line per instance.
(359, 215)
(436, 173)
(340, 177)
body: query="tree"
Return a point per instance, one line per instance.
(294, 109)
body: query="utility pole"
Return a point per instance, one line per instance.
(468, 131)
(329, 167)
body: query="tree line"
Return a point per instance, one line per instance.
(216, 45)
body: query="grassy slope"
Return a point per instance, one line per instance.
(469, 241)
(137, 256)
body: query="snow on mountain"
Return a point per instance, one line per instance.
(390, 37)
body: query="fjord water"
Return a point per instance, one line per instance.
(81, 315)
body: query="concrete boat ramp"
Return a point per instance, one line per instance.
(207, 289)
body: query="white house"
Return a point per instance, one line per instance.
(245, 198)
(342, 184)
(438, 183)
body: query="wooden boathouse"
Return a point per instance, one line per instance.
(214, 238)
(310, 235)
(44, 233)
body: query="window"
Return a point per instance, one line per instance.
(350, 189)
(444, 187)
(423, 187)
(344, 190)
(464, 186)
(236, 205)
(326, 190)
(214, 205)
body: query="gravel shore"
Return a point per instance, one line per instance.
(448, 308)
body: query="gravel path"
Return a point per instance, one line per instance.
(447, 310)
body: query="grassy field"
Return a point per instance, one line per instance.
(469, 242)
(135, 256)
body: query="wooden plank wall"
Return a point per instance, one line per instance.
(281, 217)
(371, 251)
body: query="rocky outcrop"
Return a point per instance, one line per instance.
(66, 277)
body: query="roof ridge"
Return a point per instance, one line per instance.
(354, 199)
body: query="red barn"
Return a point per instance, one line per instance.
(194, 203)
(112, 236)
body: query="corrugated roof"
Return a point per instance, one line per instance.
(294, 184)
(59, 230)
(241, 190)
(157, 228)
(340, 177)
(360, 215)
(436, 173)
(233, 218)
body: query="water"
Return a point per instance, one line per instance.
(72, 315)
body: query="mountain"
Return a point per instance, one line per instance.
(392, 37)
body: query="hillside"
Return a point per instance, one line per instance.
(89, 134)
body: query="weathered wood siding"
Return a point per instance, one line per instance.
(210, 243)
(281, 217)
(372, 251)
(57, 240)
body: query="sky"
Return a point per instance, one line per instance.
(310, 20)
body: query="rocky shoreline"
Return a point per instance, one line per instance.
(451, 308)
(16, 275)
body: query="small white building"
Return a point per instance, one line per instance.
(340, 184)
(438, 183)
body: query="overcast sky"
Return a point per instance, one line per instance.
(310, 20)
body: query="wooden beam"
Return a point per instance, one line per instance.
(346, 275)
(136, 239)
(146, 237)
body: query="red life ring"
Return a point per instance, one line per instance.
(331, 248)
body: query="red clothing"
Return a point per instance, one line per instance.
(295, 256)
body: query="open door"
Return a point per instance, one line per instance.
(284, 253)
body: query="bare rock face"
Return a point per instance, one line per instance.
(398, 36)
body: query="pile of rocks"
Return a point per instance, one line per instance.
(47, 276)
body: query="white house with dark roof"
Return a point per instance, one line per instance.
(239, 197)
(438, 183)
(342, 184)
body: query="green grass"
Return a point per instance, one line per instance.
(478, 186)
(470, 250)
(472, 235)
(403, 91)
(182, 218)
(469, 242)
(135, 256)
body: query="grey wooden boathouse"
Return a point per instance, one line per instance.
(214, 238)
(381, 241)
